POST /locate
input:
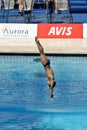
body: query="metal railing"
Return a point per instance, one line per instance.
(32, 8)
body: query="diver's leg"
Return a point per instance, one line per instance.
(40, 48)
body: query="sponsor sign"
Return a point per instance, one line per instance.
(60, 30)
(85, 30)
(18, 30)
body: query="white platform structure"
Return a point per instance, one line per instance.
(51, 46)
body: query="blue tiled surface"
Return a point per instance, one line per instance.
(78, 9)
(79, 18)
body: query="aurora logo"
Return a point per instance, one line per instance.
(7, 30)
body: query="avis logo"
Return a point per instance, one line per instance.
(60, 31)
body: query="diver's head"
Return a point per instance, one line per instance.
(51, 84)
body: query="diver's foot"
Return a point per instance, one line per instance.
(36, 39)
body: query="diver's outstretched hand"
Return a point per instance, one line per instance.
(51, 92)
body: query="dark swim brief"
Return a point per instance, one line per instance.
(48, 63)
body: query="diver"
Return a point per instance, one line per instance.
(46, 63)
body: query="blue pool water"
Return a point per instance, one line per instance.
(25, 103)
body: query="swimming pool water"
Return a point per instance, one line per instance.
(25, 103)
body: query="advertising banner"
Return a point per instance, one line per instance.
(85, 30)
(60, 30)
(18, 30)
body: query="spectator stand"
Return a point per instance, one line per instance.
(64, 15)
(11, 14)
(27, 10)
(34, 11)
(78, 9)
(41, 16)
(1, 7)
(39, 12)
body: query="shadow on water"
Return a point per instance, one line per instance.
(39, 74)
(37, 59)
